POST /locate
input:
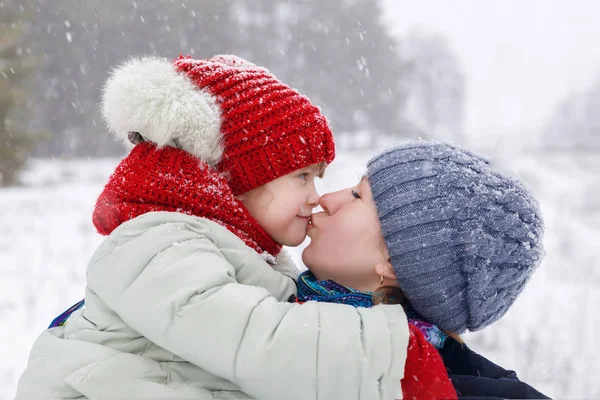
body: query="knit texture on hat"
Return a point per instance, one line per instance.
(233, 115)
(462, 238)
(170, 179)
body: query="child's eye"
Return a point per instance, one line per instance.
(304, 175)
(355, 194)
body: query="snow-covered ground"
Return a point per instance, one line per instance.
(548, 337)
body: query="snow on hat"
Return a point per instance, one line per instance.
(462, 238)
(230, 113)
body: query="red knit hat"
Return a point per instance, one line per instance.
(170, 179)
(205, 132)
(235, 116)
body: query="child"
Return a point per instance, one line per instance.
(435, 228)
(185, 298)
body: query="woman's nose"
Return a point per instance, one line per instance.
(323, 202)
(330, 202)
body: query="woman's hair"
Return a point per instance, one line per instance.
(390, 295)
(394, 295)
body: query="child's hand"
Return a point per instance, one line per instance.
(425, 376)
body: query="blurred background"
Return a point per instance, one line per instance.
(517, 81)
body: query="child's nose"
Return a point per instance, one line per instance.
(314, 199)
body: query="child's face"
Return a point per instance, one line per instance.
(283, 206)
(346, 241)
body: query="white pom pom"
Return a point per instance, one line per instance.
(149, 96)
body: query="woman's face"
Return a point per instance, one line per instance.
(346, 241)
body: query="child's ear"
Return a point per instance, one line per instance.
(241, 197)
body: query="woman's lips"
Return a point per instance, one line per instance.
(309, 228)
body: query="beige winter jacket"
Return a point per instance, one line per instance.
(177, 307)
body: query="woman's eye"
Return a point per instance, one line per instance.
(355, 194)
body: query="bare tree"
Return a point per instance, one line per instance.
(339, 53)
(575, 124)
(436, 86)
(16, 142)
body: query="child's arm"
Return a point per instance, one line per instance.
(285, 266)
(185, 298)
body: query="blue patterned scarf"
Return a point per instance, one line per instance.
(310, 289)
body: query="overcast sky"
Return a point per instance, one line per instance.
(520, 56)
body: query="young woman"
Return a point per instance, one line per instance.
(435, 228)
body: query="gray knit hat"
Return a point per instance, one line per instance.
(462, 238)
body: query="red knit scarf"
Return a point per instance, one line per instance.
(170, 179)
